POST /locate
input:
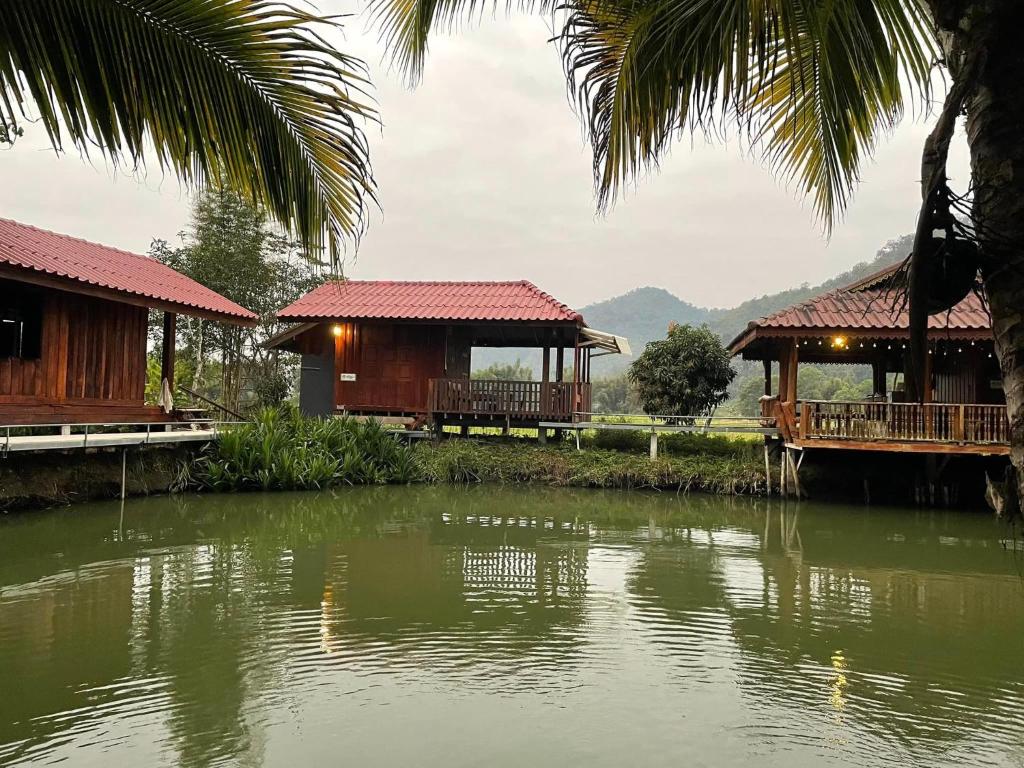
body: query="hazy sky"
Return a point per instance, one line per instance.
(484, 174)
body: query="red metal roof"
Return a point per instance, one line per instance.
(394, 300)
(71, 260)
(866, 305)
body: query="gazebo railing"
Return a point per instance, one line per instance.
(527, 400)
(933, 422)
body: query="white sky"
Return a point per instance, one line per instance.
(484, 174)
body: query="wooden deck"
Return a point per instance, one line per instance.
(512, 402)
(948, 428)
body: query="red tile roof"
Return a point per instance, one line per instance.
(866, 305)
(75, 263)
(393, 300)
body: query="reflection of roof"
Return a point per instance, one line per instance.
(74, 265)
(456, 301)
(867, 305)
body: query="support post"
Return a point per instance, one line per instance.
(878, 376)
(124, 471)
(782, 473)
(560, 364)
(767, 376)
(793, 468)
(767, 470)
(654, 445)
(167, 353)
(546, 366)
(793, 366)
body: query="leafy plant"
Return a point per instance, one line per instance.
(686, 374)
(282, 450)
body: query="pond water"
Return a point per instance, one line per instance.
(508, 627)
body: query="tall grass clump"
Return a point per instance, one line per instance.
(280, 449)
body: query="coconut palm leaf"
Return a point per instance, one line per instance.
(812, 83)
(247, 91)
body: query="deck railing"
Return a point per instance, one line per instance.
(526, 400)
(932, 422)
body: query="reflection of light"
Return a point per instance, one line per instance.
(837, 697)
(325, 618)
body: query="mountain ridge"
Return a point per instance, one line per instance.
(641, 324)
(643, 314)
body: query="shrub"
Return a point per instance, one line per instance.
(282, 450)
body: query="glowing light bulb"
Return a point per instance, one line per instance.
(336, 330)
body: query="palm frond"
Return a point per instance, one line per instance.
(405, 25)
(812, 83)
(247, 91)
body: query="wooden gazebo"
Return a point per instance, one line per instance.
(73, 327)
(403, 350)
(963, 408)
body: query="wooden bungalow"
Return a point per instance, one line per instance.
(404, 350)
(964, 410)
(73, 327)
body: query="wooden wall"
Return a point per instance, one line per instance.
(393, 364)
(93, 351)
(966, 377)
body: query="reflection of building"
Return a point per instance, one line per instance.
(895, 624)
(481, 583)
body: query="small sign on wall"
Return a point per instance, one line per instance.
(347, 377)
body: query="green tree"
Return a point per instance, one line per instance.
(615, 394)
(237, 89)
(813, 85)
(516, 371)
(686, 374)
(231, 248)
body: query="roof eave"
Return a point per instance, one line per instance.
(73, 285)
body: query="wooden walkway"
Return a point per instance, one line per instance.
(88, 437)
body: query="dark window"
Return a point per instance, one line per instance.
(21, 320)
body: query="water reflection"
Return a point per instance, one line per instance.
(244, 629)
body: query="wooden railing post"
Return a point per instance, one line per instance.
(959, 431)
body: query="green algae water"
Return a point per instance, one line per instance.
(508, 627)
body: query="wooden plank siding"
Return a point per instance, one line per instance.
(392, 364)
(92, 356)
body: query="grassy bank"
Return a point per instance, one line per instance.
(280, 450)
(470, 462)
(36, 480)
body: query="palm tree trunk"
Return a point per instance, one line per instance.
(995, 120)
